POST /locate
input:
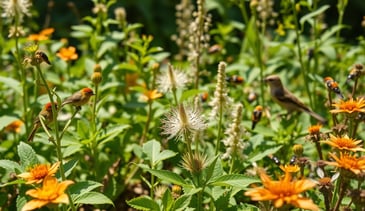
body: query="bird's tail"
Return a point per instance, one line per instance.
(32, 133)
(317, 116)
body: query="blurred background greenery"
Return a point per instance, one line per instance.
(157, 16)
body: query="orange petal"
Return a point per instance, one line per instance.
(34, 204)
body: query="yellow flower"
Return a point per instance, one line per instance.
(344, 143)
(43, 35)
(39, 172)
(349, 106)
(348, 162)
(15, 126)
(284, 191)
(51, 192)
(150, 95)
(68, 54)
(280, 30)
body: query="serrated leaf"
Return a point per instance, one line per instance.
(69, 166)
(263, 154)
(210, 169)
(11, 83)
(27, 155)
(234, 180)
(182, 202)
(11, 166)
(93, 198)
(168, 176)
(143, 203)
(20, 202)
(167, 200)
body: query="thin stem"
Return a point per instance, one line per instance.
(219, 129)
(146, 127)
(302, 66)
(341, 6)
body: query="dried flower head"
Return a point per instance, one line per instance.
(194, 163)
(284, 191)
(171, 80)
(52, 192)
(37, 173)
(183, 120)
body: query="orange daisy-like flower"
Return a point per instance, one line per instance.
(284, 191)
(344, 143)
(150, 95)
(43, 35)
(314, 129)
(350, 106)
(15, 126)
(68, 54)
(348, 162)
(51, 192)
(39, 172)
(290, 168)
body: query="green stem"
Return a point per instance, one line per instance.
(58, 139)
(147, 125)
(341, 6)
(302, 66)
(219, 129)
(242, 7)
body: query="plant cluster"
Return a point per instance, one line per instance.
(114, 122)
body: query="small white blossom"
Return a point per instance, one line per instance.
(15, 8)
(171, 79)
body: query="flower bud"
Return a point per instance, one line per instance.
(298, 150)
(96, 77)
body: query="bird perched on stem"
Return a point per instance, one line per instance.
(45, 113)
(287, 100)
(79, 98)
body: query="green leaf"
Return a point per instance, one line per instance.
(167, 200)
(104, 47)
(329, 33)
(308, 17)
(69, 166)
(112, 133)
(190, 93)
(166, 154)
(234, 180)
(11, 83)
(182, 202)
(14, 182)
(93, 198)
(210, 169)
(27, 155)
(143, 203)
(167, 176)
(20, 202)
(152, 149)
(11, 166)
(263, 154)
(78, 189)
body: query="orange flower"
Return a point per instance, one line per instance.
(290, 168)
(314, 129)
(39, 172)
(51, 192)
(150, 95)
(43, 35)
(15, 126)
(68, 54)
(284, 191)
(349, 106)
(344, 143)
(348, 162)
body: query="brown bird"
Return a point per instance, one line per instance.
(47, 114)
(79, 98)
(287, 100)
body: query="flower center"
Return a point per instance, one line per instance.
(40, 171)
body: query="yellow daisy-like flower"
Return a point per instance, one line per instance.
(39, 172)
(51, 192)
(348, 162)
(284, 191)
(350, 106)
(68, 54)
(150, 95)
(43, 35)
(344, 143)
